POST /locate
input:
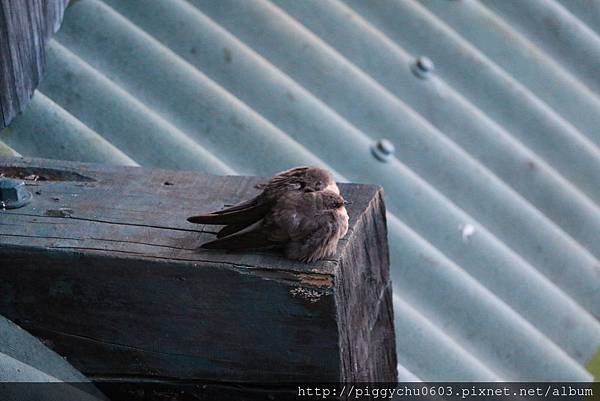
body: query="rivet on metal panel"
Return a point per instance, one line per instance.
(422, 67)
(13, 194)
(383, 150)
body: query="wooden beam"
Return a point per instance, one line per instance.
(25, 26)
(103, 266)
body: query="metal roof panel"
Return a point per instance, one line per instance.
(492, 191)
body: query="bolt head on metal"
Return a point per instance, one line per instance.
(423, 67)
(13, 194)
(383, 150)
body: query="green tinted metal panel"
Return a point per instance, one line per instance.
(493, 189)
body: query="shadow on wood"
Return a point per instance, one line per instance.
(116, 284)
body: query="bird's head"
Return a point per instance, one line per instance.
(317, 179)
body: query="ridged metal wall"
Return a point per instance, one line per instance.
(493, 192)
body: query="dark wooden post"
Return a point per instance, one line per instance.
(103, 266)
(25, 26)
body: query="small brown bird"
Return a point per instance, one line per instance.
(240, 216)
(299, 210)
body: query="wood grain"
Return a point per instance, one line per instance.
(25, 26)
(104, 267)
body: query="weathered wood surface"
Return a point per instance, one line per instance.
(103, 266)
(25, 25)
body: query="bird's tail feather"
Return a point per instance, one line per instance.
(212, 219)
(232, 229)
(244, 241)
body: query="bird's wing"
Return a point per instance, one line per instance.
(245, 213)
(244, 205)
(242, 214)
(277, 187)
(261, 234)
(288, 174)
(287, 180)
(273, 229)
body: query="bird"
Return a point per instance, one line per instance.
(299, 210)
(240, 216)
(307, 225)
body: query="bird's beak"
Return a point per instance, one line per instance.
(347, 202)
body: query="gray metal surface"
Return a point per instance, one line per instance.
(492, 183)
(24, 359)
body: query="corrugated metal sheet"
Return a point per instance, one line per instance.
(493, 193)
(24, 358)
